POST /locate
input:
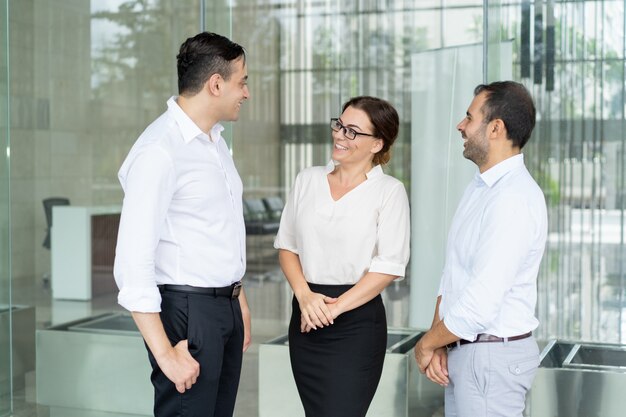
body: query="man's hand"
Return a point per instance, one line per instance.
(179, 366)
(247, 320)
(431, 353)
(176, 362)
(247, 331)
(437, 370)
(422, 356)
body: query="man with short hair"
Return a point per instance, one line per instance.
(480, 346)
(180, 253)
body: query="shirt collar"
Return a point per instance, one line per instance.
(499, 170)
(188, 128)
(376, 171)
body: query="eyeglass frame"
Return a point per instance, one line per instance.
(346, 129)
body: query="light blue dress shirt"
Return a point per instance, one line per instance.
(495, 245)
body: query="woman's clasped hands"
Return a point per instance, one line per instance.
(317, 310)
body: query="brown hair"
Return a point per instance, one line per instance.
(384, 119)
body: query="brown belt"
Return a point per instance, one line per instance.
(488, 338)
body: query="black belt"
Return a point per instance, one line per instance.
(488, 338)
(231, 291)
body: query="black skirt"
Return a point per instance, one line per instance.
(337, 368)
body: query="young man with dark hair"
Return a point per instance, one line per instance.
(480, 346)
(181, 246)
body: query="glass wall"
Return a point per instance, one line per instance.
(306, 59)
(309, 57)
(570, 54)
(5, 268)
(91, 77)
(87, 77)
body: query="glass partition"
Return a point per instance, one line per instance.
(571, 55)
(92, 76)
(5, 266)
(444, 79)
(87, 77)
(305, 59)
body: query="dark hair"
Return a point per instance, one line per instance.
(202, 56)
(384, 119)
(510, 102)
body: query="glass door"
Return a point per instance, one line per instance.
(442, 78)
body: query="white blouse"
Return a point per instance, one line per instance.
(366, 230)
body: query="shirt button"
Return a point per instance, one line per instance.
(517, 370)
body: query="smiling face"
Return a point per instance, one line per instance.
(473, 130)
(362, 147)
(235, 90)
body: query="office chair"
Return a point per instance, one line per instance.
(274, 206)
(259, 227)
(258, 219)
(48, 203)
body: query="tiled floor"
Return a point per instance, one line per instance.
(269, 300)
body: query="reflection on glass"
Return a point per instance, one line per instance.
(87, 78)
(578, 157)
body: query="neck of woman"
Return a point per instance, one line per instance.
(350, 175)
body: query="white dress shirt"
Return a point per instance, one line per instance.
(494, 249)
(182, 218)
(340, 241)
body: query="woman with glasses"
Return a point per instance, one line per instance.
(344, 236)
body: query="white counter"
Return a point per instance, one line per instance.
(73, 275)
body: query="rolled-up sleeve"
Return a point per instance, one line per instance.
(148, 181)
(286, 236)
(506, 232)
(393, 234)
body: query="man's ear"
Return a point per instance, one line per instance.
(214, 84)
(496, 129)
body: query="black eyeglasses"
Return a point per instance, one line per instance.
(348, 132)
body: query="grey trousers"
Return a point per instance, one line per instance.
(490, 379)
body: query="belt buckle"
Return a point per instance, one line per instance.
(236, 290)
(454, 344)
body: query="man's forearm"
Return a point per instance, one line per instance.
(438, 336)
(175, 361)
(247, 320)
(436, 316)
(152, 330)
(243, 303)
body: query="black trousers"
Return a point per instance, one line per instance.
(213, 327)
(337, 368)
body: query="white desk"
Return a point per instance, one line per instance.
(74, 276)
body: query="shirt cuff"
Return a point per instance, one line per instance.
(386, 267)
(141, 300)
(456, 327)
